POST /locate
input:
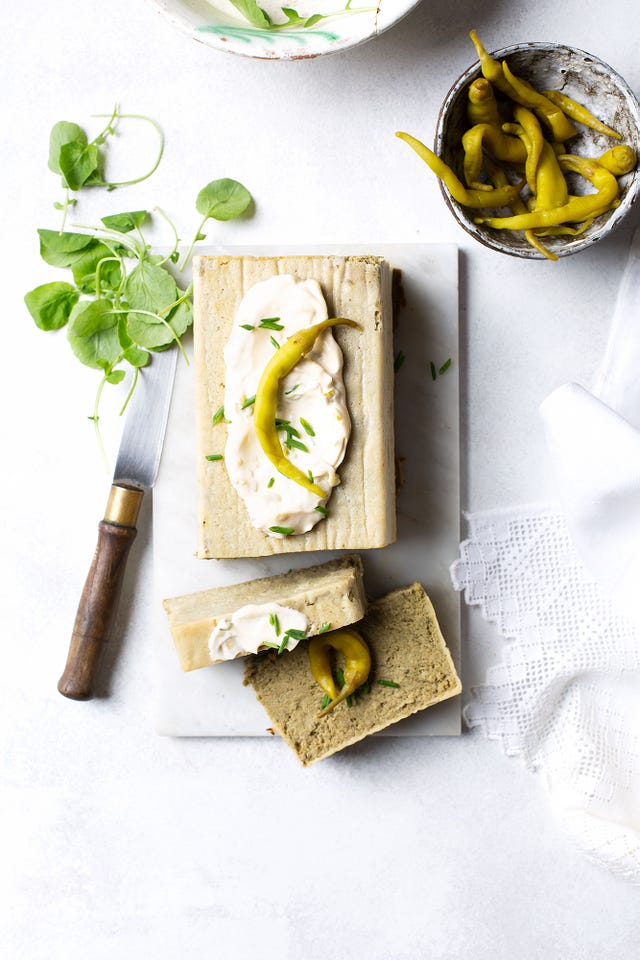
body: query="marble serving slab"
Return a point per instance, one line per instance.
(212, 701)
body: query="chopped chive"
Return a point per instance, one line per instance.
(214, 456)
(287, 392)
(399, 360)
(274, 343)
(283, 645)
(285, 531)
(326, 700)
(340, 677)
(296, 445)
(247, 326)
(274, 646)
(271, 323)
(388, 683)
(271, 482)
(445, 366)
(349, 700)
(275, 623)
(307, 427)
(218, 416)
(324, 628)
(296, 634)
(249, 402)
(322, 510)
(434, 373)
(310, 475)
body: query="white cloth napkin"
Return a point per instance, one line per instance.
(564, 585)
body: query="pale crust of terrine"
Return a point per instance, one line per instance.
(362, 508)
(407, 648)
(330, 592)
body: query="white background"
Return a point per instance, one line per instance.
(117, 843)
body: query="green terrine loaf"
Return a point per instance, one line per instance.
(407, 648)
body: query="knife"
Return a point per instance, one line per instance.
(136, 471)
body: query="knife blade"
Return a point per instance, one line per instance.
(136, 470)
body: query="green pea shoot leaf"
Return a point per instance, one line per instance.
(50, 304)
(61, 134)
(125, 222)
(93, 333)
(223, 199)
(254, 13)
(78, 161)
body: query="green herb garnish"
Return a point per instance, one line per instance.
(291, 389)
(399, 360)
(310, 475)
(434, 372)
(307, 427)
(275, 623)
(271, 483)
(285, 531)
(322, 510)
(247, 326)
(274, 343)
(267, 643)
(326, 700)
(283, 645)
(248, 402)
(214, 456)
(296, 634)
(296, 445)
(218, 416)
(388, 683)
(324, 628)
(271, 323)
(445, 366)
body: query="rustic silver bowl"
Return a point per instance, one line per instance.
(549, 66)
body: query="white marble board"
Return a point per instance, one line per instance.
(212, 701)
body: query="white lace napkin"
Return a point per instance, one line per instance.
(563, 584)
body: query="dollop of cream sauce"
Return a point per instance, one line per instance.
(313, 392)
(254, 627)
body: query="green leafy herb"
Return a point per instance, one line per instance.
(218, 416)
(259, 17)
(274, 343)
(253, 13)
(324, 628)
(388, 683)
(399, 360)
(322, 510)
(247, 326)
(307, 427)
(310, 475)
(285, 531)
(296, 634)
(294, 444)
(123, 302)
(50, 305)
(434, 372)
(214, 456)
(284, 644)
(223, 199)
(445, 366)
(271, 323)
(271, 483)
(275, 623)
(249, 402)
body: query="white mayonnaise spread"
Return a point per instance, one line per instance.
(254, 627)
(312, 399)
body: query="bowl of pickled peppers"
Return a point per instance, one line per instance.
(536, 149)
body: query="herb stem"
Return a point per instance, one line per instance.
(116, 115)
(187, 256)
(176, 239)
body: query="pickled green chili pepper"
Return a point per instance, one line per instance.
(482, 106)
(491, 69)
(501, 197)
(283, 361)
(524, 94)
(619, 160)
(531, 127)
(579, 113)
(501, 146)
(576, 210)
(357, 665)
(498, 177)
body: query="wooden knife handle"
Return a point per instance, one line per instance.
(99, 601)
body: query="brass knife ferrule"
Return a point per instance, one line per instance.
(123, 505)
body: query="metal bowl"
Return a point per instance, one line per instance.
(581, 76)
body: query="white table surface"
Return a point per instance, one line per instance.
(116, 842)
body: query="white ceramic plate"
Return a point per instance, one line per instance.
(321, 26)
